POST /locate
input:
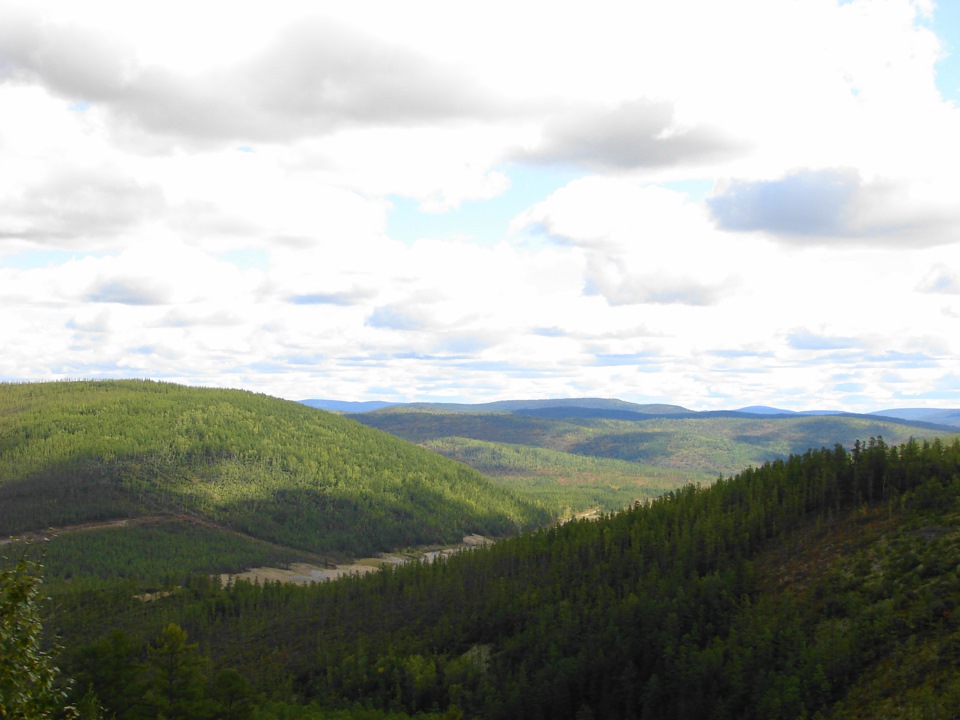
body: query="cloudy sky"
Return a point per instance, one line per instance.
(686, 201)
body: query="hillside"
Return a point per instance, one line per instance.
(633, 455)
(823, 585)
(78, 452)
(941, 416)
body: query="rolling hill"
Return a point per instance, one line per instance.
(277, 471)
(821, 585)
(576, 456)
(931, 415)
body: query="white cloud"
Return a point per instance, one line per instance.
(942, 279)
(80, 206)
(148, 154)
(635, 134)
(835, 206)
(314, 76)
(641, 244)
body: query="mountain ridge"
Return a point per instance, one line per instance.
(942, 417)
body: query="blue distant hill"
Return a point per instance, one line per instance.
(940, 416)
(767, 410)
(344, 406)
(612, 408)
(589, 406)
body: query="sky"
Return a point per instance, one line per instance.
(665, 201)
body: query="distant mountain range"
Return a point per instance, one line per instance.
(615, 409)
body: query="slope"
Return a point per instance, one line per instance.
(75, 452)
(824, 583)
(652, 452)
(943, 416)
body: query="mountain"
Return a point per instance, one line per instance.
(764, 410)
(595, 404)
(274, 470)
(931, 415)
(622, 410)
(550, 404)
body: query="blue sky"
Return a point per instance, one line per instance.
(946, 24)
(354, 202)
(485, 221)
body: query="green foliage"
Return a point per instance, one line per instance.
(564, 482)
(175, 677)
(111, 665)
(803, 585)
(778, 593)
(28, 676)
(79, 452)
(232, 694)
(158, 548)
(693, 448)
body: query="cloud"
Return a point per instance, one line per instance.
(74, 205)
(314, 77)
(553, 332)
(398, 317)
(181, 318)
(90, 323)
(741, 353)
(640, 243)
(803, 203)
(634, 134)
(127, 291)
(82, 63)
(466, 342)
(806, 340)
(833, 205)
(218, 182)
(342, 298)
(641, 359)
(907, 360)
(941, 279)
(610, 278)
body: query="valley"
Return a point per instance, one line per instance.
(305, 573)
(531, 562)
(576, 454)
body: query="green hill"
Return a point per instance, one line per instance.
(822, 585)
(577, 463)
(81, 452)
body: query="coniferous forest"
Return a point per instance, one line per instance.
(79, 452)
(821, 585)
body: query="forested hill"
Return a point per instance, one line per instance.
(824, 585)
(703, 445)
(78, 452)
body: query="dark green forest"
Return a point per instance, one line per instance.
(821, 585)
(81, 452)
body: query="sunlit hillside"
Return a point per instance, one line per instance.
(79, 452)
